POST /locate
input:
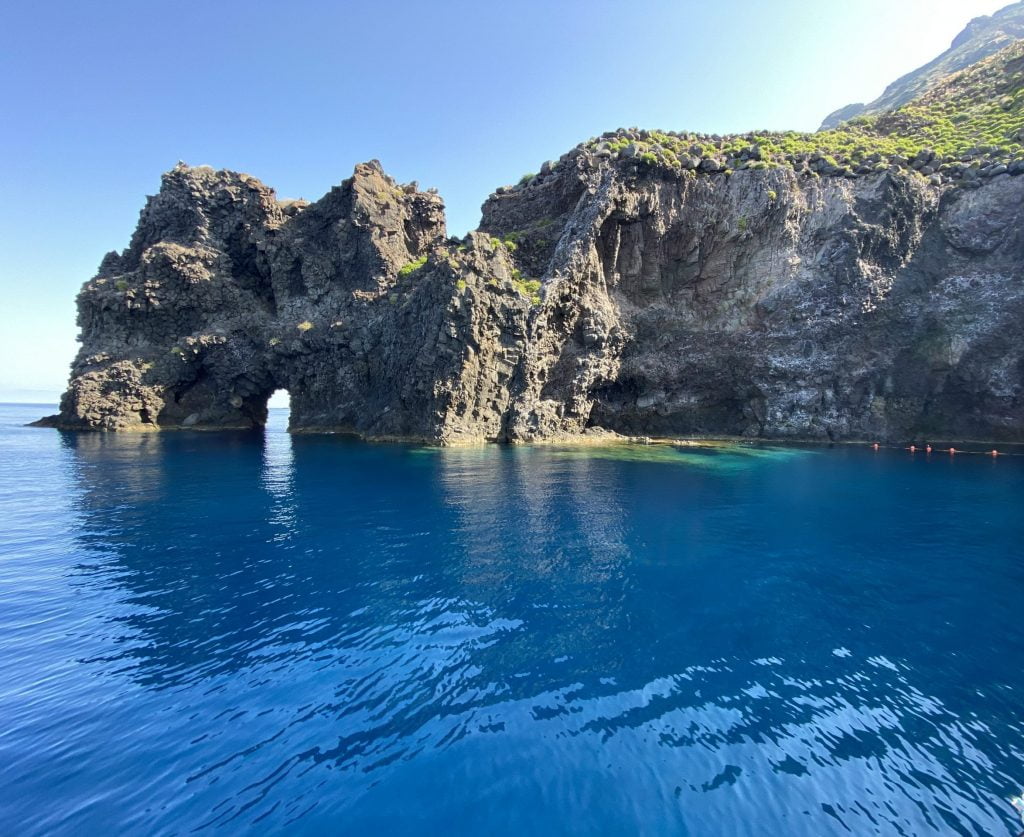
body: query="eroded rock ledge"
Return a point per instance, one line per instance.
(606, 292)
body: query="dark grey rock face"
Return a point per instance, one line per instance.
(764, 303)
(770, 305)
(225, 295)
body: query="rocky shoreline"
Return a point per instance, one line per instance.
(596, 437)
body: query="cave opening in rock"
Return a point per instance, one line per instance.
(278, 409)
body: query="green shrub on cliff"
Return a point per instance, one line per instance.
(412, 267)
(508, 241)
(530, 288)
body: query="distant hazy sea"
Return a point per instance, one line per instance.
(246, 633)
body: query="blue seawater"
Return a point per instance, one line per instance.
(239, 633)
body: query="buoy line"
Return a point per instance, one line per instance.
(994, 453)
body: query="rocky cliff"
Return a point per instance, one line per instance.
(646, 283)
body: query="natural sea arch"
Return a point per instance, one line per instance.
(278, 410)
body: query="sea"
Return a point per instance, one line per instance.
(239, 633)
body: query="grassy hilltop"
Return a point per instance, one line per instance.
(969, 121)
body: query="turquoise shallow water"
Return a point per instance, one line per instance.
(229, 633)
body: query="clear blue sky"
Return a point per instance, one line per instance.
(99, 98)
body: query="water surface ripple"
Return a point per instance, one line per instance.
(237, 632)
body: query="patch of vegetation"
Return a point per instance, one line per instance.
(121, 284)
(977, 113)
(412, 267)
(526, 178)
(274, 341)
(509, 241)
(388, 193)
(461, 284)
(304, 326)
(530, 288)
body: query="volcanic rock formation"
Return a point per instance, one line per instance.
(645, 283)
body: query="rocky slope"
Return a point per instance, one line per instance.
(646, 283)
(981, 38)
